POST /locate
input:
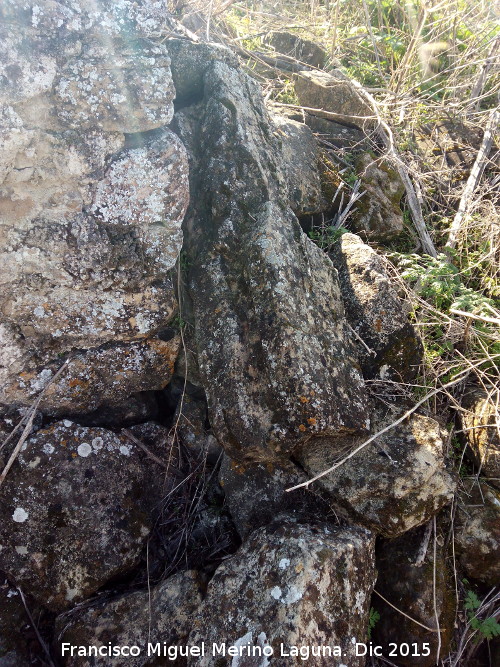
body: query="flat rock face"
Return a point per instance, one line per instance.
(336, 93)
(162, 616)
(395, 483)
(292, 45)
(71, 513)
(376, 312)
(422, 589)
(274, 355)
(256, 493)
(378, 214)
(291, 584)
(300, 165)
(91, 221)
(477, 532)
(482, 432)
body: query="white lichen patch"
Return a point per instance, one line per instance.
(84, 449)
(20, 515)
(284, 563)
(276, 593)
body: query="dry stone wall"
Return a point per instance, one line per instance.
(257, 343)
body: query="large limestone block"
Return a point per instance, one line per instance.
(90, 219)
(376, 312)
(161, 616)
(295, 585)
(477, 532)
(274, 354)
(336, 93)
(409, 579)
(393, 484)
(481, 426)
(103, 376)
(121, 85)
(72, 513)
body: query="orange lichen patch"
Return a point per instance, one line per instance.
(312, 421)
(311, 393)
(302, 428)
(75, 382)
(299, 568)
(303, 399)
(237, 467)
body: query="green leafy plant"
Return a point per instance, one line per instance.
(373, 619)
(487, 627)
(326, 236)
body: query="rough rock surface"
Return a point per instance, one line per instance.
(393, 484)
(91, 220)
(255, 494)
(411, 557)
(300, 164)
(193, 432)
(162, 616)
(477, 532)
(336, 93)
(100, 377)
(16, 635)
(376, 312)
(274, 355)
(305, 50)
(292, 584)
(71, 513)
(378, 214)
(481, 426)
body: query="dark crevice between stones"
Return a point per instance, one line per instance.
(186, 101)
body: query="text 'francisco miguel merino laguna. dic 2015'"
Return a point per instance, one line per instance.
(162, 649)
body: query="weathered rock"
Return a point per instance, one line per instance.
(91, 221)
(406, 575)
(378, 214)
(122, 85)
(100, 377)
(193, 432)
(395, 483)
(71, 513)
(304, 50)
(481, 427)
(376, 312)
(477, 532)
(274, 355)
(300, 164)
(256, 494)
(292, 584)
(335, 93)
(161, 616)
(189, 63)
(16, 635)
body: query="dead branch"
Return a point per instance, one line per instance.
(474, 177)
(27, 429)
